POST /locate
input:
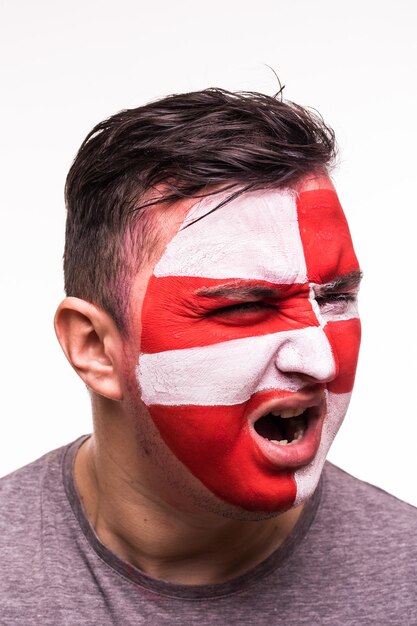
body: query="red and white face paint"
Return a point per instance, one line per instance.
(250, 311)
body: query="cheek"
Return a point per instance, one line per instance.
(215, 445)
(344, 338)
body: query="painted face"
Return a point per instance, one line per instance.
(250, 337)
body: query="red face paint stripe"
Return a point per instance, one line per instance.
(325, 235)
(223, 435)
(344, 337)
(195, 320)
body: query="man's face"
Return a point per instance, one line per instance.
(249, 342)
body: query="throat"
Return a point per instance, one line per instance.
(186, 549)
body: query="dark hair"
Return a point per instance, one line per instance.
(188, 144)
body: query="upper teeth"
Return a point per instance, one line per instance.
(287, 412)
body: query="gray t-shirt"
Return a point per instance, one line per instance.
(351, 559)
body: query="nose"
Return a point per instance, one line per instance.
(308, 352)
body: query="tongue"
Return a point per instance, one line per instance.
(269, 427)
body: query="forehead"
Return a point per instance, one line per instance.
(281, 236)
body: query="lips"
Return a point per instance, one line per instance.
(286, 428)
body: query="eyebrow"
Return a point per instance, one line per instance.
(346, 282)
(238, 292)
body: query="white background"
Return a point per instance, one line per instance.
(67, 65)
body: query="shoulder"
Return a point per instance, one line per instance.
(34, 512)
(357, 496)
(361, 546)
(29, 493)
(20, 490)
(368, 522)
(32, 500)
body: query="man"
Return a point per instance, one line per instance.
(212, 313)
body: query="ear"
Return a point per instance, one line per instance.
(92, 344)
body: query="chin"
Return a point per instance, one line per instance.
(272, 494)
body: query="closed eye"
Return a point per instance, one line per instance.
(242, 307)
(334, 304)
(342, 290)
(241, 313)
(336, 297)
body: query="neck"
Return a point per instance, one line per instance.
(166, 537)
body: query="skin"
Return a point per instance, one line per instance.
(143, 501)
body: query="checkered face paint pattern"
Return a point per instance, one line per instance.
(243, 312)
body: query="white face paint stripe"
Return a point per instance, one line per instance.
(255, 236)
(307, 477)
(230, 372)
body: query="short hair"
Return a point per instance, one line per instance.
(188, 144)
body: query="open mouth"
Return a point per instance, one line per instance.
(286, 427)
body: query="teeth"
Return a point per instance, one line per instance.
(297, 436)
(285, 413)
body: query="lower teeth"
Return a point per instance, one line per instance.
(284, 442)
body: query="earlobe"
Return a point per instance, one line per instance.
(92, 344)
